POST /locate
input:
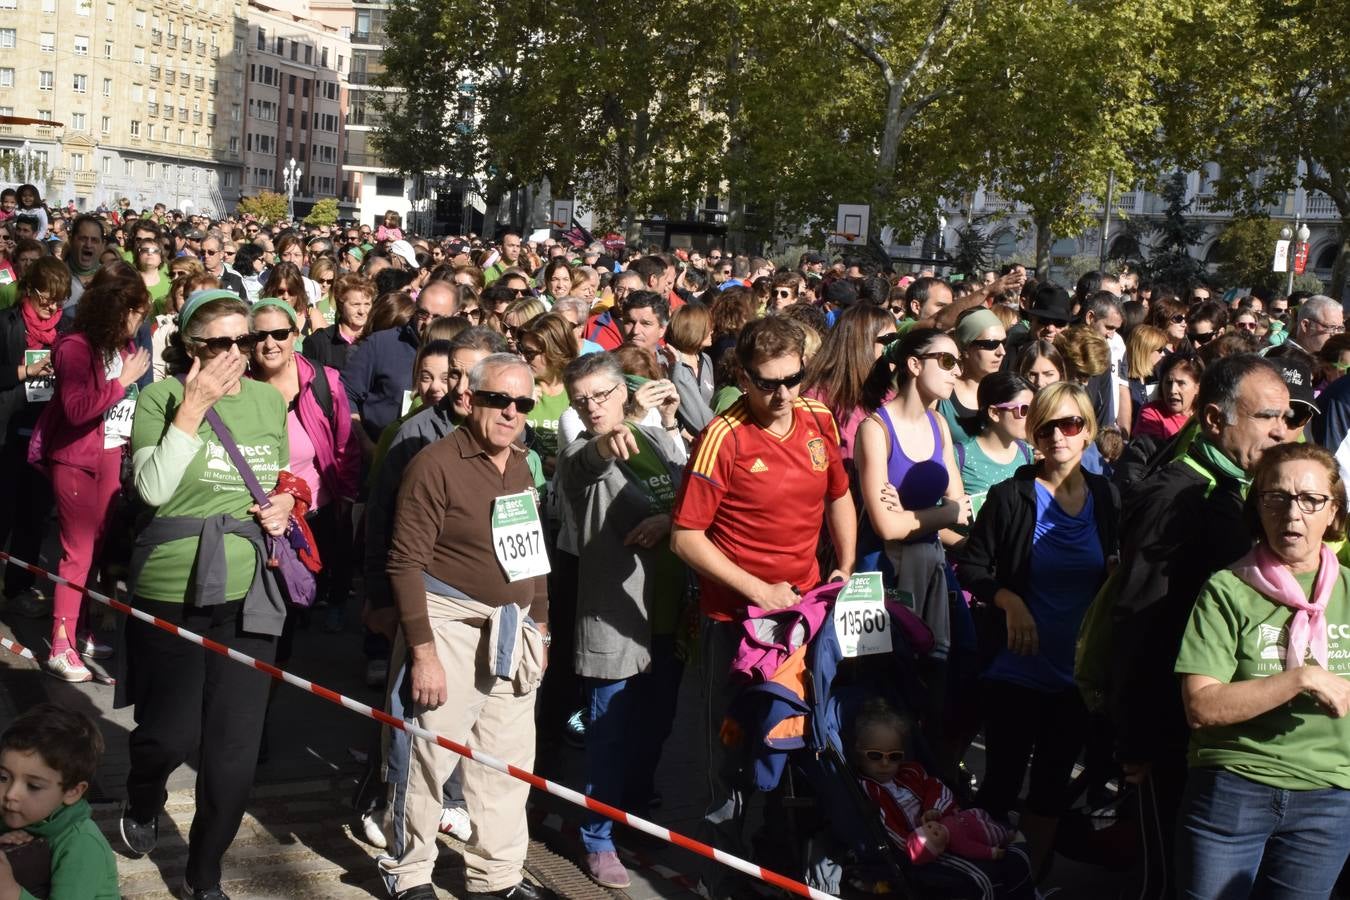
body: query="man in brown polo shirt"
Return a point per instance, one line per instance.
(466, 568)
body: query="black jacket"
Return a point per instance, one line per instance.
(326, 348)
(14, 410)
(230, 281)
(1177, 530)
(998, 553)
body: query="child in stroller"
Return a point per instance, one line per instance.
(918, 811)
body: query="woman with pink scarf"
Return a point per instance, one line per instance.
(1265, 668)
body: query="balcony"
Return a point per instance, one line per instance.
(1320, 206)
(198, 83)
(211, 120)
(171, 42)
(201, 48)
(182, 115)
(156, 36)
(153, 108)
(154, 73)
(170, 76)
(196, 118)
(213, 86)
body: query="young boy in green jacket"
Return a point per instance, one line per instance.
(48, 756)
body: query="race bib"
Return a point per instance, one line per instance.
(38, 390)
(860, 619)
(518, 537)
(117, 420)
(976, 504)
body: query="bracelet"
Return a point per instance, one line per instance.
(672, 428)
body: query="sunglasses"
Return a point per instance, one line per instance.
(245, 343)
(986, 344)
(946, 361)
(891, 756)
(773, 384)
(280, 335)
(498, 400)
(1178, 319)
(784, 295)
(1202, 339)
(1298, 416)
(1068, 426)
(1019, 410)
(1245, 326)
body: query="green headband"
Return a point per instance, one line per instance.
(975, 324)
(273, 303)
(197, 299)
(635, 381)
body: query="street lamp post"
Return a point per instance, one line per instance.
(1298, 236)
(292, 172)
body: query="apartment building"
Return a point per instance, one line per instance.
(142, 97)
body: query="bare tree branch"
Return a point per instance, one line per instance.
(866, 48)
(944, 18)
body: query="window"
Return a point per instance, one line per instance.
(107, 87)
(6, 78)
(128, 167)
(138, 55)
(45, 115)
(234, 145)
(80, 83)
(182, 135)
(238, 46)
(46, 81)
(47, 42)
(6, 110)
(149, 169)
(81, 45)
(135, 128)
(228, 180)
(49, 6)
(105, 125)
(323, 57)
(107, 49)
(9, 4)
(84, 7)
(108, 12)
(107, 165)
(140, 18)
(279, 46)
(234, 112)
(78, 121)
(149, 135)
(262, 38)
(8, 38)
(77, 162)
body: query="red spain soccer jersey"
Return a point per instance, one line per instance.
(761, 498)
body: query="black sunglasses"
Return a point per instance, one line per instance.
(277, 334)
(773, 384)
(1178, 319)
(886, 340)
(245, 343)
(1068, 426)
(498, 400)
(1298, 416)
(985, 344)
(1202, 339)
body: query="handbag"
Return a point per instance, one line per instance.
(282, 552)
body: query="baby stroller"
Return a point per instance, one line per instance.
(791, 728)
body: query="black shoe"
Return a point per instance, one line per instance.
(139, 837)
(214, 893)
(420, 892)
(525, 890)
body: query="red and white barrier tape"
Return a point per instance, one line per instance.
(543, 784)
(16, 648)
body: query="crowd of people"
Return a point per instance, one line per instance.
(551, 476)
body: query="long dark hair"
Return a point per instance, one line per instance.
(839, 372)
(996, 388)
(101, 316)
(891, 371)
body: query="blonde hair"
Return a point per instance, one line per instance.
(1047, 401)
(1144, 341)
(1086, 354)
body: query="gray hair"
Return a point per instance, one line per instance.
(603, 364)
(579, 305)
(494, 363)
(1222, 382)
(1102, 303)
(1312, 307)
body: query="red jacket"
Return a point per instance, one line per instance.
(70, 429)
(337, 452)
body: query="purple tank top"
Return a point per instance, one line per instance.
(921, 483)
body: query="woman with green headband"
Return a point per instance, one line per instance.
(199, 563)
(981, 337)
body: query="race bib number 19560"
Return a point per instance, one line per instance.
(860, 619)
(518, 537)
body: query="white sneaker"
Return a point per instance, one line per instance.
(372, 831)
(68, 667)
(455, 822)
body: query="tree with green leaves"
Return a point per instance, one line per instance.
(1246, 248)
(266, 206)
(325, 212)
(1261, 90)
(1170, 261)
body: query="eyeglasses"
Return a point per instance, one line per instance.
(1299, 414)
(280, 335)
(784, 295)
(886, 340)
(519, 292)
(1203, 338)
(773, 384)
(946, 361)
(326, 282)
(1019, 410)
(1178, 319)
(1245, 326)
(422, 315)
(150, 250)
(580, 404)
(1329, 329)
(1069, 426)
(528, 355)
(498, 400)
(1306, 500)
(245, 343)
(891, 756)
(988, 344)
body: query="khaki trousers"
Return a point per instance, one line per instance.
(485, 713)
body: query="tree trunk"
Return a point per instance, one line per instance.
(1338, 270)
(1044, 240)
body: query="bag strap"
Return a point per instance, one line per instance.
(323, 393)
(960, 448)
(232, 450)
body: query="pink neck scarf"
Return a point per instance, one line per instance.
(1264, 572)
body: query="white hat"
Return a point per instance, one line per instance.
(404, 250)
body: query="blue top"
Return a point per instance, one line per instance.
(377, 374)
(921, 483)
(1066, 571)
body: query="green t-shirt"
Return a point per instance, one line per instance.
(211, 486)
(159, 293)
(544, 420)
(1236, 634)
(667, 573)
(725, 397)
(979, 472)
(9, 294)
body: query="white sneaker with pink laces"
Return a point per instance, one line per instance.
(67, 666)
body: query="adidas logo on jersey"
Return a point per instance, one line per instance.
(758, 466)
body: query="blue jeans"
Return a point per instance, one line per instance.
(1238, 839)
(630, 721)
